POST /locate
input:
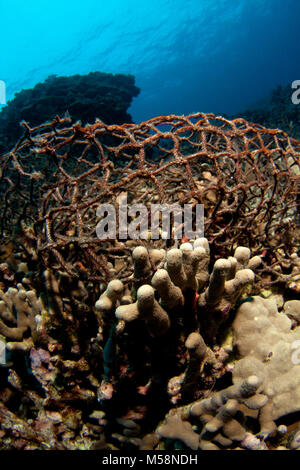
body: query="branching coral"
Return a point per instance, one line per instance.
(217, 422)
(18, 308)
(169, 318)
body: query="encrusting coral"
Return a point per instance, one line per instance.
(264, 341)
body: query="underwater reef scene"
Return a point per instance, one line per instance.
(85, 97)
(124, 344)
(276, 112)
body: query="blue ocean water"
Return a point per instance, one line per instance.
(187, 55)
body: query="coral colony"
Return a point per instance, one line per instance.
(162, 342)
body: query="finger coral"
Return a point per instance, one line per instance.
(27, 306)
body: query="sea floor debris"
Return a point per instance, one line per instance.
(163, 345)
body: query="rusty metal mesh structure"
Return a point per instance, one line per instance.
(247, 177)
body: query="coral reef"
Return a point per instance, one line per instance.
(277, 111)
(122, 344)
(27, 306)
(84, 97)
(138, 369)
(245, 176)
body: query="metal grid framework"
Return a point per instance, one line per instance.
(246, 176)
